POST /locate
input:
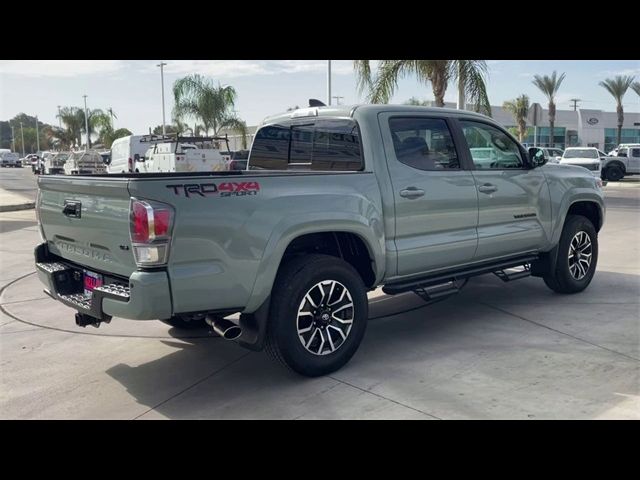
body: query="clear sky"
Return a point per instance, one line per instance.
(265, 87)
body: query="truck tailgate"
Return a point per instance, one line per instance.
(96, 235)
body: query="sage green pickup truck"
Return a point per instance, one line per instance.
(335, 202)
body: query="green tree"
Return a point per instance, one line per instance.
(469, 75)
(549, 86)
(198, 97)
(73, 120)
(519, 109)
(617, 87)
(636, 87)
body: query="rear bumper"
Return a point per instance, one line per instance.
(143, 296)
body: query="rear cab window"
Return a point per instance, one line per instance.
(321, 144)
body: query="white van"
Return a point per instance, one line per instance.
(177, 156)
(124, 151)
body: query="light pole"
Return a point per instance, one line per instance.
(329, 82)
(338, 98)
(37, 135)
(22, 135)
(13, 138)
(59, 117)
(161, 65)
(86, 122)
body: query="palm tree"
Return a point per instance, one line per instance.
(636, 87)
(617, 87)
(113, 115)
(519, 108)
(197, 96)
(73, 120)
(549, 86)
(469, 74)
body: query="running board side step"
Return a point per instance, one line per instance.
(453, 276)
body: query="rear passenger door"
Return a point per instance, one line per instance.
(436, 202)
(513, 200)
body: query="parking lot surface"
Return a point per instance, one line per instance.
(496, 351)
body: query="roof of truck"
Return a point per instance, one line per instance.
(349, 110)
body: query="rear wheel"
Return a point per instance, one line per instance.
(614, 173)
(577, 256)
(318, 314)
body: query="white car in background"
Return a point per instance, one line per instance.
(587, 157)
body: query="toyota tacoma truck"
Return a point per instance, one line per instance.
(336, 201)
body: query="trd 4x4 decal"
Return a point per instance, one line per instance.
(224, 189)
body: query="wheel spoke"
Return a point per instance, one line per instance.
(333, 348)
(344, 291)
(339, 309)
(333, 286)
(305, 330)
(308, 298)
(339, 331)
(322, 293)
(322, 344)
(342, 321)
(312, 337)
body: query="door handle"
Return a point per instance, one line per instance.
(411, 192)
(487, 188)
(71, 209)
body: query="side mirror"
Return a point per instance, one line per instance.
(537, 157)
(136, 157)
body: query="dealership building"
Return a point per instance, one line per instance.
(580, 127)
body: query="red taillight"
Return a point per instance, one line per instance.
(161, 221)
(140, 223)
(151, 224)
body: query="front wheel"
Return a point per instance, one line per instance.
(318, 314)
(614, 173)
(577, 256)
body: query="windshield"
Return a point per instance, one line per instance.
(581, 153)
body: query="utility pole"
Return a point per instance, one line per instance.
(337, 97)
(59, 118)
(329, 82)
(22, 135)
(86, 122)
(161, 65)
(13, 138)
(37, 135)
(575, 103)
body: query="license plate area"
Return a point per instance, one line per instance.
(91, 280)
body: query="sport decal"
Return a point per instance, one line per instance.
(224, 189)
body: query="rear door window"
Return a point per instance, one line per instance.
(324, 145)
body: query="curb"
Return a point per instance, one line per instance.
(19, 206)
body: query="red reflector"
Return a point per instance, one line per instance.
(161, 220)
(140, 233)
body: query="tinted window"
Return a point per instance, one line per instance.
(635, 152)
(327, 144)
(423, 143)
(301, 144)
(336, 145)
(490, 147)
(270, 148)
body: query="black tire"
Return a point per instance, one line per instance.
(183, 323)
(614, 173)
(562, 280)
(294, 280)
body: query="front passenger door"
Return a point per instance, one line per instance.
(513, 200)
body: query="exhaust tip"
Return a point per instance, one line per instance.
(232, 333)
(225, 328)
